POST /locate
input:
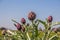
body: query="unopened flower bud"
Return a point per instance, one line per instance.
(23, 21)
(18, 26)
(50, 18)
(31, 16)
(27, 24)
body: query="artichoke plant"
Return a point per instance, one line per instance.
(29, 31)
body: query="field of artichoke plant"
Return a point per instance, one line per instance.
(29, 31)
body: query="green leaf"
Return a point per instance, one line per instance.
(55, 38)
(14, 21)
(52, 34)
(44, 23)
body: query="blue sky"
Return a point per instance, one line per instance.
(17, 9)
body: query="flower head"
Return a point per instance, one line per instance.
(18, 26)
(50, 18)
(23, 21)
(31, 16)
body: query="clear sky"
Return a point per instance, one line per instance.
(16, 9)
